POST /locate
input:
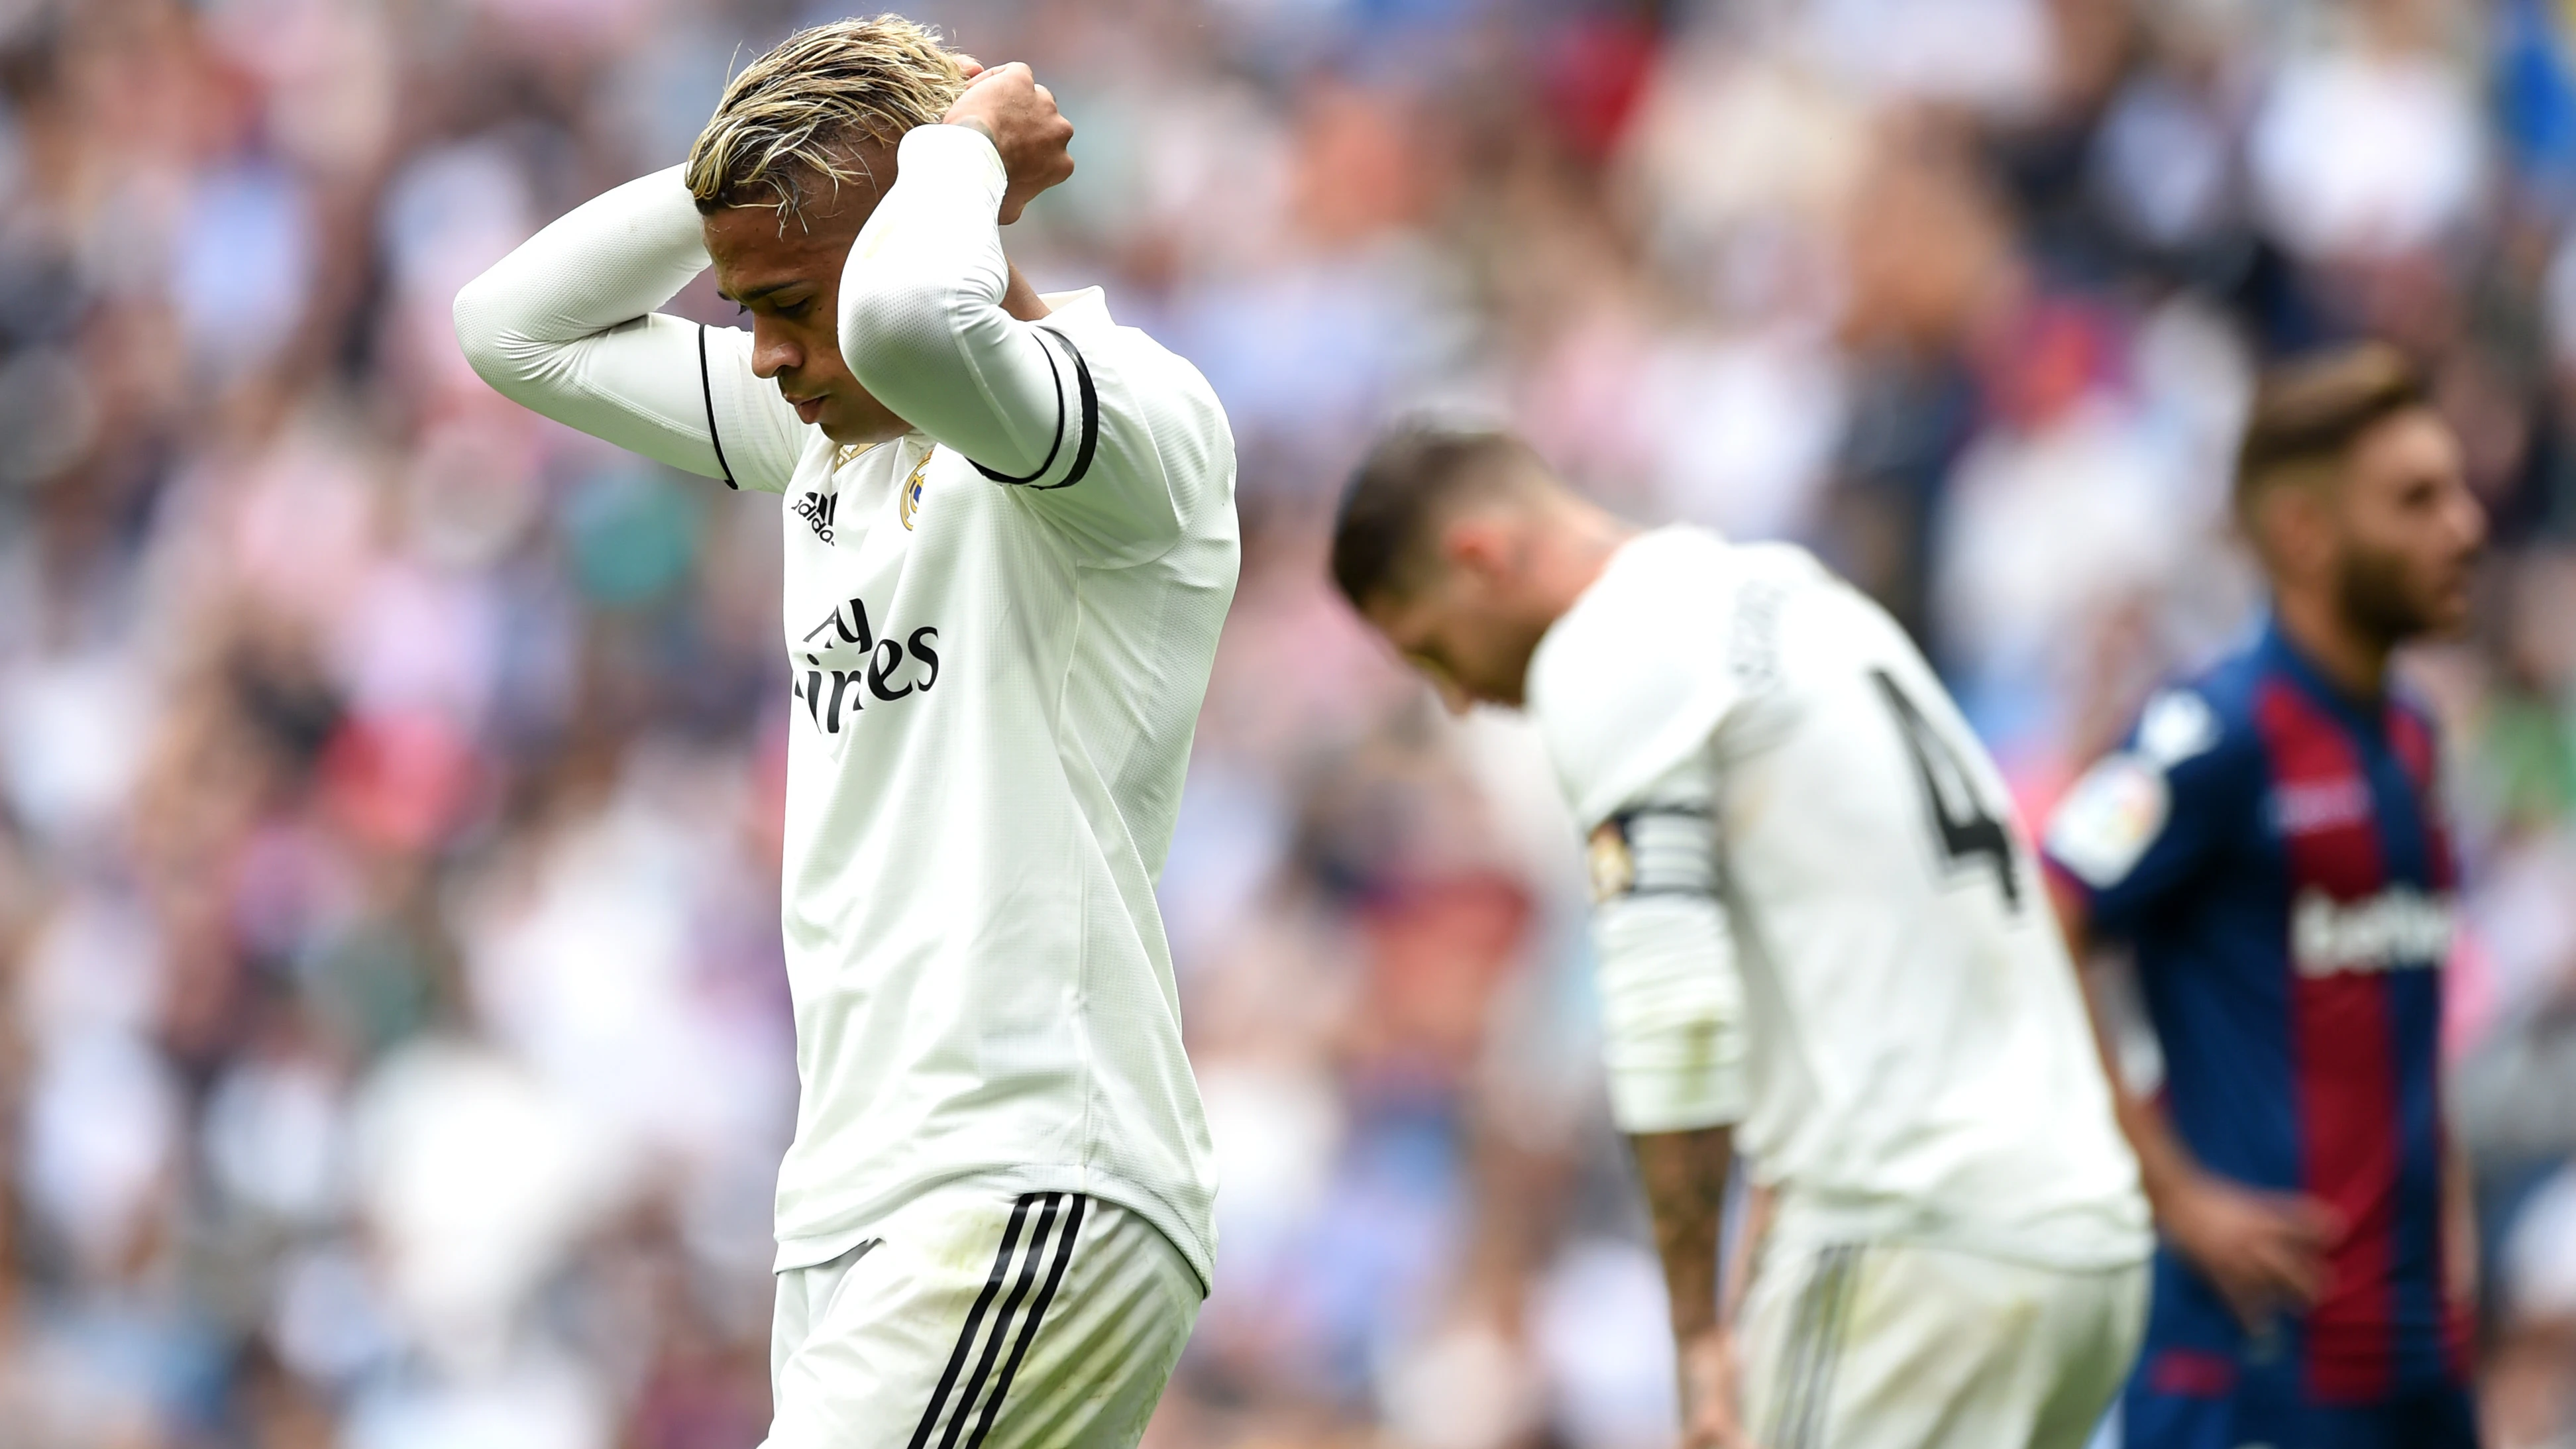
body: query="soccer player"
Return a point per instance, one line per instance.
(1010, 541)
(1822, 941)
(2269, 841)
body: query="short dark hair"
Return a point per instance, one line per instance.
(1400, 492)
(2309, 411)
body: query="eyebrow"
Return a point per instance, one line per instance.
(753, 294)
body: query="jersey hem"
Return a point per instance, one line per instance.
(1815, 1224)
(1195, 1245)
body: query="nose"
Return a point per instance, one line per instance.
(772, 353)
(1454, 697)
(2469, 520)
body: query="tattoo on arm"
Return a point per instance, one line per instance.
(1684, 1177)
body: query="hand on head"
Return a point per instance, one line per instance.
(1007, 104)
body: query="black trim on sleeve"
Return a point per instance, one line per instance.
(1090, 444)
(1677, 812)
(1651, 869)
(707, 391)
(1056, 445)
(1090, 414)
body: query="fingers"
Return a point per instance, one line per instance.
(2301, 1232)
(2275, 1258)
(1718, 1433)
(1009, 75)
(990, 88)
(2318, 1223)
(1020, 117)
(1008, 97)
(1707, 1433)
(2252, 1307)
(2255, 1287)
(1709, 1394)
(2263, 1253)
(2288, 1268)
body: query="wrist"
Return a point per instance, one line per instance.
(959, 151)
(2172, 1188)
(1696, 1320)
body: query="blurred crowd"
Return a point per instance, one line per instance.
(393, 1052)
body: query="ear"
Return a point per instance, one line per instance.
(2299, 529)
(1482, 544)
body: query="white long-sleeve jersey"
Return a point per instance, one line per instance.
(999, 627)
(1816, 917)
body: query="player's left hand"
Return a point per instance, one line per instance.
(1711, 1404)
(1007, 104)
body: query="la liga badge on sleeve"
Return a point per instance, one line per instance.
(2110, 818)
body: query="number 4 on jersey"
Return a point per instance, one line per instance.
(1965, 827)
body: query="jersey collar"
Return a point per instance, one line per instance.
(2363, 714)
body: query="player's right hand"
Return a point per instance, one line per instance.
(1007, 104)
(1711, 1402)
(2264, 1252)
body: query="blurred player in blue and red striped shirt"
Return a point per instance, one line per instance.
(2269, 842)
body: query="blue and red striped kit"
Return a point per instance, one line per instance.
(2272, 848)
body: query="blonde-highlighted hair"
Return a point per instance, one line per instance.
(792, 117)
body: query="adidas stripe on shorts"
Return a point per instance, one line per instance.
(972, 1321)
(1907, 1346)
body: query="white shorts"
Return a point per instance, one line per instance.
(980, 1322)
(1902, 1346)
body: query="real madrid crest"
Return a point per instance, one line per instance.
(911, 502)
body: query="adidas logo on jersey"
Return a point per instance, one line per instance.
(2396, 928)
(817, 510)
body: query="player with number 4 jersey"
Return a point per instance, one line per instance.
(1823, 942)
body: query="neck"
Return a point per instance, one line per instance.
(1022, 301)
(2350, 658)
(1579, 542)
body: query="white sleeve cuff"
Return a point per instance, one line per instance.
(961, 155)
(1684, 1100)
